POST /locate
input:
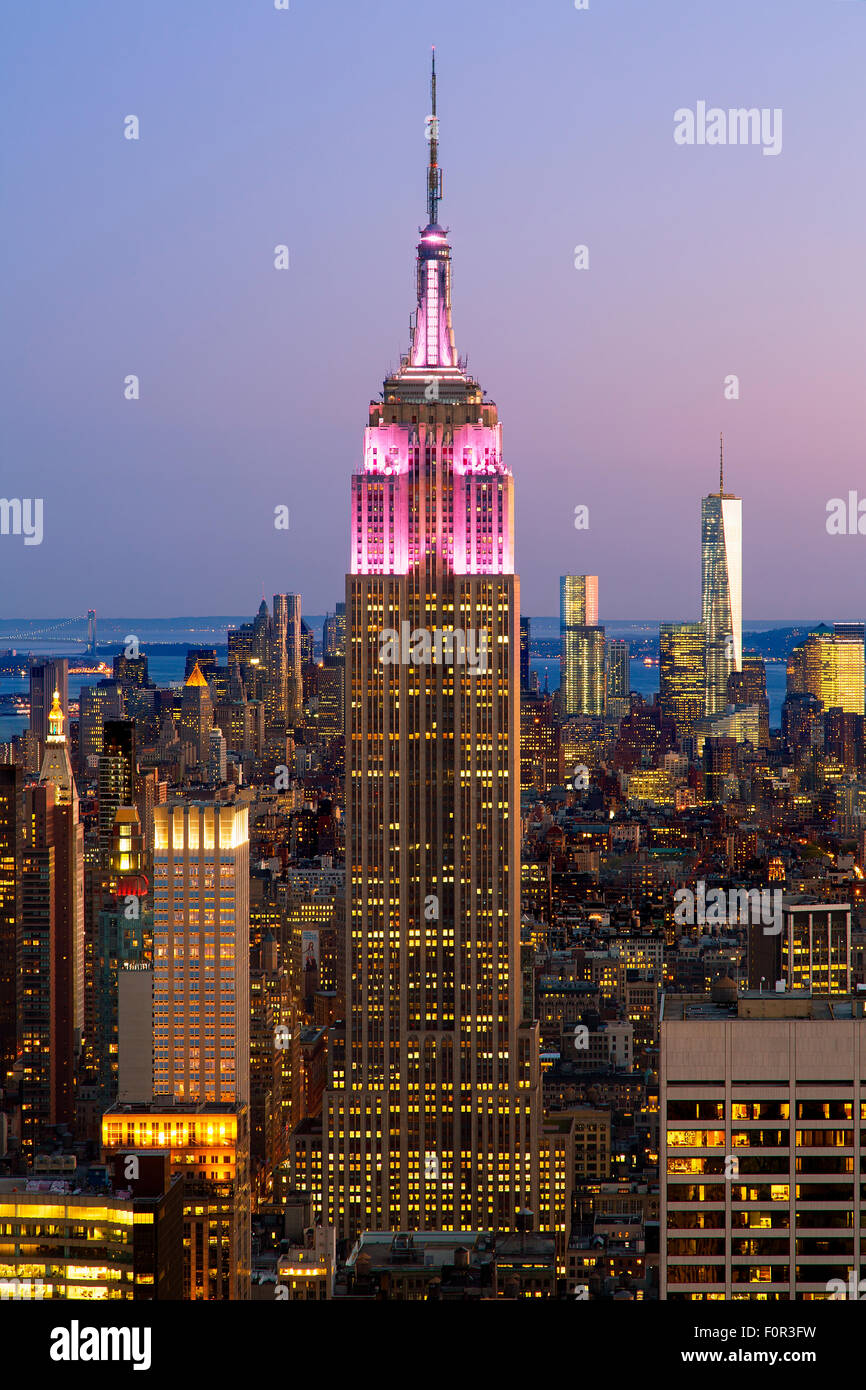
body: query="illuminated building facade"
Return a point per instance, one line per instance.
(124, 936)
(47, 675)
(682, 680)
(749, 687)
(830, 668)
(582, 647)
(201, 995)
(761, 1146)
(430, 1118)
(51, 963)
(618, 657)
(12, 833)
(208, 1146)
(721, 591)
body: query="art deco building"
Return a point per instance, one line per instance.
(721, 591)
(430, 1119)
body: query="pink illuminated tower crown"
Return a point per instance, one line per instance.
(433, 432)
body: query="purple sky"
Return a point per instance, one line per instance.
(306, 127)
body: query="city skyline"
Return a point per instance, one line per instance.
(420, 949)
(222, 388)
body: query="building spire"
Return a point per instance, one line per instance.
(721, 464)
(434, 173)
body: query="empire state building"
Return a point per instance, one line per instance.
(430, 1118)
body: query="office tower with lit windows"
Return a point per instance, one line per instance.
(811, 954)
(618, 656)
(749, 687)
(196, 718)
(682, 681)
(115, 777)
(334, 633)
(66, 835)
(829, 667)
(47, 674)
(430, 1119)
(201, 926)
(12, 839)
(208, 1146)
(131, 671)
(96, 704)
(761, 1144)
(124, 936)
(721, 590)
(583, 665)
(540, 756)
(525, 640)
(578, 615)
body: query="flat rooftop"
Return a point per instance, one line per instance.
(752, 1004)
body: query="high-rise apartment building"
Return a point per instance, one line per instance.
(682, 677)
(721, 591)
(430, 1118)
(201, 962)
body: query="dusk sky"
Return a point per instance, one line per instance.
(261, 127)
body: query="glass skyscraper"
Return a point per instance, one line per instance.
(721, 591)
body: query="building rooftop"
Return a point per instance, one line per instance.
(755, 1005)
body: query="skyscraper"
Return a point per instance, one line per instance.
(11, 869)
(525, 642)
(98, 702)
(116, 777)
(67, 962)
(682, 682)
(201, 991)
(578, 612)
(749, 687)
(617, 658)
(721, 590)
(47, 675)
(830, 667)
(583, 683)
(430, 1118)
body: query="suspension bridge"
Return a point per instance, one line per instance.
(59, 630)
